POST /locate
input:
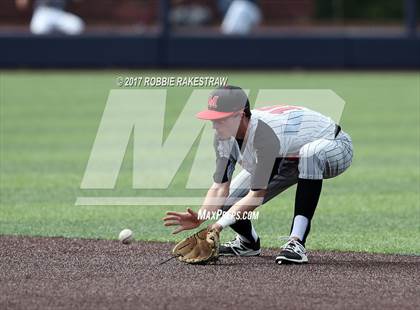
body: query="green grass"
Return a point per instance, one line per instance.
(49, 122)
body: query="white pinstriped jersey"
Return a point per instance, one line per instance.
(294, 127)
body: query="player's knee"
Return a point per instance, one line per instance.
(311, 162)
(310, 151)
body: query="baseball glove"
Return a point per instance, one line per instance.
(200, 248)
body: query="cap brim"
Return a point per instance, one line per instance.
(213, 115)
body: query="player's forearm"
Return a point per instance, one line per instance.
(215, 198)
(247, 204)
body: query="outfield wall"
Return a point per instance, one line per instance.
(127, 51)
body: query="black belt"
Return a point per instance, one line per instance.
(337, 130)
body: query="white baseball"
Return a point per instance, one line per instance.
(126, 236)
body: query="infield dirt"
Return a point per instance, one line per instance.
(51, 273)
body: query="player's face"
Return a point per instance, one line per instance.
(227, 127)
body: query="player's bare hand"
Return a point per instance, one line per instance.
(184, 220)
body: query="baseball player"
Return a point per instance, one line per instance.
(50, 17)
(240, 16)
(277, 147)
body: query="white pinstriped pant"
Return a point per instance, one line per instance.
(323, 158)
(320, 159)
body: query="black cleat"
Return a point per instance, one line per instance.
(292, 253)
(238, 247)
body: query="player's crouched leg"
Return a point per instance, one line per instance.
(312, 160)
(312, 163)
(318, 160)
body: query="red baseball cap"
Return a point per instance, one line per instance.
(224, 102)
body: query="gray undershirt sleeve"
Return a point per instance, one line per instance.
(267, 146)
(224, 166)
